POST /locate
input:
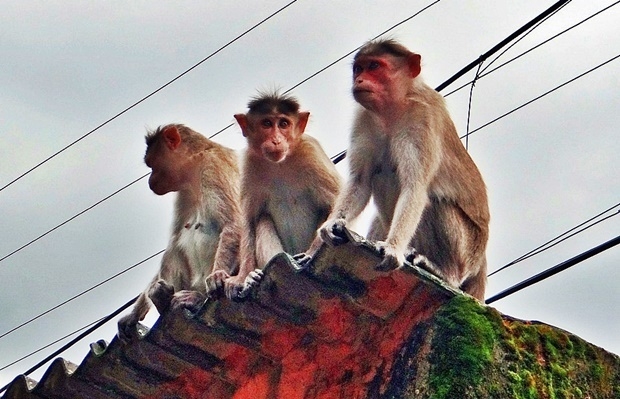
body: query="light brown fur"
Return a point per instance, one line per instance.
(204, 245)
(406, 155)
(288, 185)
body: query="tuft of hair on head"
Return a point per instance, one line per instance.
(380, 47)
(188, 136)
(267, 102)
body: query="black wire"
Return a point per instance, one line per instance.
(551, 243)
(46, 346)
(148, 96)
(73, 217)
(471, 95)
(81, 293)
(532, 29)
(342, 58)
(482, 75)
(543, 95)
(555, 270)
(94, 327)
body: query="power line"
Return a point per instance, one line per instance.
(530, 30)
(73, 217)
(342, 58)
(484, 74)
(81, 293)
(501, 44)
(543, 95)
(555, 270)
(560, 238)
(147, 96)
(93, 327)
(46, 346)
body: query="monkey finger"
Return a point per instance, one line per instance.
(389, 262)
(303, 261)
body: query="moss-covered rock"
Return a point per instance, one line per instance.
(472, 351)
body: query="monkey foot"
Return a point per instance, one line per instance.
(303, 261)
(251, 282)
(190, 300)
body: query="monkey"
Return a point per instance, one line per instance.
(405, 154)
(288, 185)
(203, 249)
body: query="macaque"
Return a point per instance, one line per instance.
(288, 186)
(203, 250)
(406, 155)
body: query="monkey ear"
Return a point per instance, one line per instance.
(302, 121)
(242, 120)
(172, 137)
(414, 64)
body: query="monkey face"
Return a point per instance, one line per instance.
(380, 80)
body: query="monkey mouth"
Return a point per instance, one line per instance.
(275, 156)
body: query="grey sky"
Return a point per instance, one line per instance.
(68, 66)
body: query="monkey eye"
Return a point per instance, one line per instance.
(266, 123)
(357, 69)
(283, 124)
(373, 65)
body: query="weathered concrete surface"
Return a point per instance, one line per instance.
(340, 330)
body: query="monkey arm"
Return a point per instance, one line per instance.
(418, 160)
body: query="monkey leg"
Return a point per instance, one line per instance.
(161, 294)
(454, 245)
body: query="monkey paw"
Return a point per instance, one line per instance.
(161, 293)
(127, 328)
(303, 261)
(187, 299)
(332, 232)
(392, 259)
(251, 282)
(215, 283)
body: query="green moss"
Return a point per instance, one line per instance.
(463, 347)
(477, 354)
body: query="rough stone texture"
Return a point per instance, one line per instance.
(340, 330)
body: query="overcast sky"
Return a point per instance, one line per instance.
(68, 66)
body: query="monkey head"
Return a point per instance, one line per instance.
(273, 126)
(382, 74)
(167, 156)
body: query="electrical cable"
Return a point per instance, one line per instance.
(91, 329)
(147, 96)
(543, 95)
(560, 238)
(554, 270)
(81, 293)
(73, 217)
(482, 75)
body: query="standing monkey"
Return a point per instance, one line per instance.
(406, 155)
(288, 185)
(204, 246)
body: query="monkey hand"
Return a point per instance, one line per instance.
(161, 294)
(127, 328)
(392, 259)
(215, 283)
(188, 299)
(303, 261)
(332, 232)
